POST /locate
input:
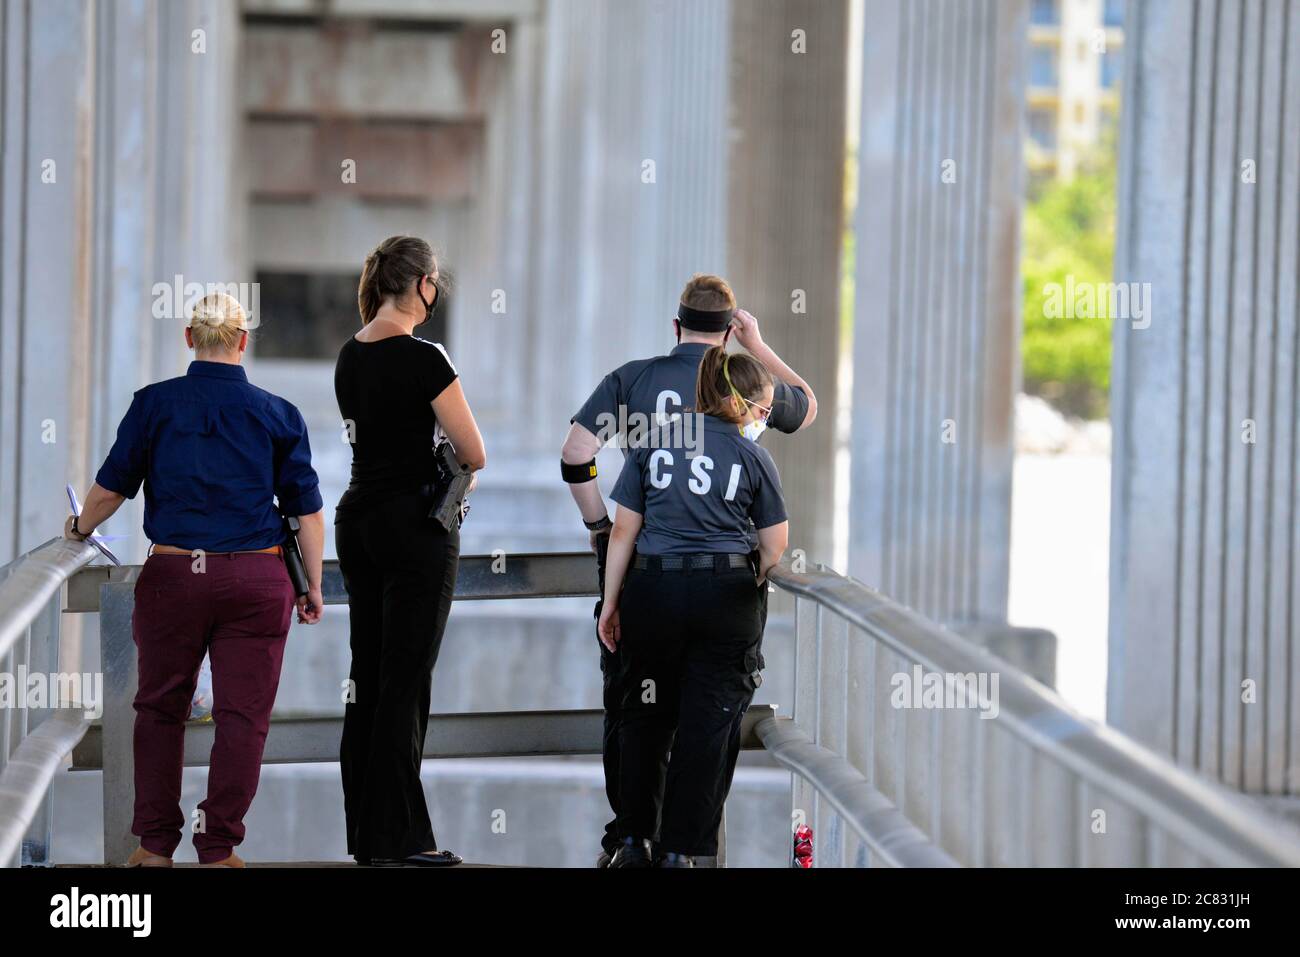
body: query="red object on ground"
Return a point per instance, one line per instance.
(803, 847)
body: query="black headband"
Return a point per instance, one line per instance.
(702, 321)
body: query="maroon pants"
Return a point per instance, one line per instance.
(238, 609)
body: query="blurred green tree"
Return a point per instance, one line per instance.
(1068, 243)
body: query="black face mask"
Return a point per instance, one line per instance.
(428, 306)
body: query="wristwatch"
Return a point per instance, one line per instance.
(76, 531)
(599, 525)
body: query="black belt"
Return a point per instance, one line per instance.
(691, 563)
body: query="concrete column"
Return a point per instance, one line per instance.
(936, 330)
(126, 148)
(200, 201)
(619, 134)
(785, 220)
(631, 190)
(1204, 621)
(46, 209)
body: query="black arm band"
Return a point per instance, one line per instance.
(578, 474)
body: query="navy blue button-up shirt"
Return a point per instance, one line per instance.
(213, 452)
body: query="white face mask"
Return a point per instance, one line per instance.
(752, 430)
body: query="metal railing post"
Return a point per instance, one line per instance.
(118, 662)
(802, 794)
(43, 659)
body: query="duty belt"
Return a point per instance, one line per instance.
(691, 563)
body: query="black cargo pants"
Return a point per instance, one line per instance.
(690, 664)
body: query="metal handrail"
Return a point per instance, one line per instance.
(1221, 825)
(885, 829)
(31, 769)
(35, 578)
(31, 582)
(1199, 812)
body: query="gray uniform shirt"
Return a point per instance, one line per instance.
(705, 502)
(665, 385)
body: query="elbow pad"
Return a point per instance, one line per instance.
(578, 474)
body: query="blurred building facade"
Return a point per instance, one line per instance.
(1074, 64)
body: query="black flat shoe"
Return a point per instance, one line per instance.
(676, 860)
(633, 852)
(423, 859)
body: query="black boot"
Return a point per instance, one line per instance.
(633, 852)
(672, 859)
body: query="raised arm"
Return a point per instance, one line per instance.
(748, 335)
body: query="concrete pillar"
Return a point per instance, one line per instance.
(936, 328)
(1204, 621)
(47, 194)
(200, 201)
(117, 156)
(785, 219)
(619, 135)
(632, 184)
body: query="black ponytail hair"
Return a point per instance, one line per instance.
(391, 269)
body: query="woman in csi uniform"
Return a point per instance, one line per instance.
(215, 454)
(397, 394)
(689, 619)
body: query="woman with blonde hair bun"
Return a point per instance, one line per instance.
(223, 464)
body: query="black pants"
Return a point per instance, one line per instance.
(611, 671)
(690, 666)
(399, 568)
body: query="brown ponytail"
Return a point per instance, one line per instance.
(713, 394)
(391, 270)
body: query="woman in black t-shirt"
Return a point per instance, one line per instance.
(398, 395)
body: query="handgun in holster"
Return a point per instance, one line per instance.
(602, 553)
(451, 488)
(293, 562)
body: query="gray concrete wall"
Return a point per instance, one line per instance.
(1204, 622)
(47, 206)
(785, 221)
(138, 127)
(936, 331)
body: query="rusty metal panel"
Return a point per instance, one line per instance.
(355, 69)
(303, 158)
